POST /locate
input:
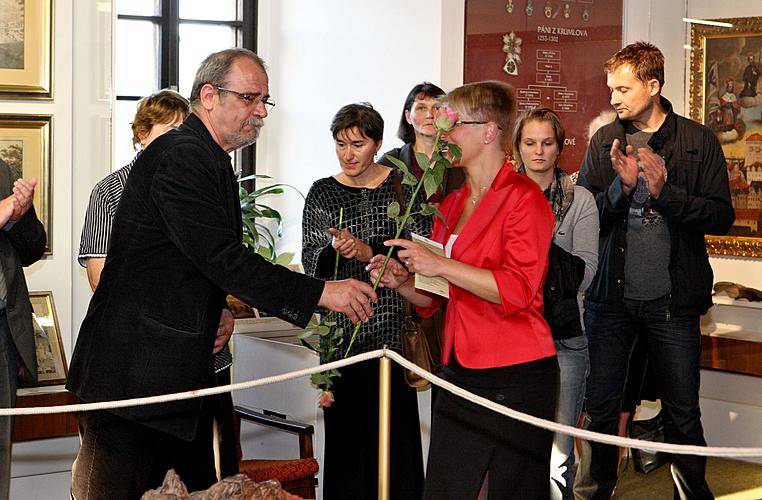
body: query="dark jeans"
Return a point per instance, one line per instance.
(674, 348)
(120, 460)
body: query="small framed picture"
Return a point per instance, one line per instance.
(25, 142)
(51, 358)
(26, 34)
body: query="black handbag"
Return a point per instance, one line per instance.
(651, 429)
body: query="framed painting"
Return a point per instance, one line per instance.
(25, 148)
(726, 96)
(26, 48)
(51, 358)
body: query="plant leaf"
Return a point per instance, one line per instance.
(430, 185)
(423, 161)
(426, 209)
(437, 213)
(308, 345)
(454, 151)
(409, 180)
(393, 210)
(398, 163)
(284, 258)
(252, 177)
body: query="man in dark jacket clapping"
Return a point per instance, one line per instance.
(660, 183)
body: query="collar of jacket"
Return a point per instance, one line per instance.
(194, 125)
(662, 141)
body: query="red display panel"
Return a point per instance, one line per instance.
(554, 57)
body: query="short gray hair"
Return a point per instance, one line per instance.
(215, 68)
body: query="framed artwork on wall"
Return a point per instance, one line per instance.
(25, 148)
(726, 96)
(51, 358)
(26, 48)
(551, 53)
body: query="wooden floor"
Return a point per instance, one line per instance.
(728, 480)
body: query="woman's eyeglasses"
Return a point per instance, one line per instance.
(465, 122)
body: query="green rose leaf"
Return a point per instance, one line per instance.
(409, 180)
(393, 210)
(430, 185)
(423, 161)
(437, 213)
(399, 164)
(454, 151)
(427, 209)
(308, 345)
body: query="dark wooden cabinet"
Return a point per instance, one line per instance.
(29, 427)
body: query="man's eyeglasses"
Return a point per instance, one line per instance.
(464, 122)
(249, 98)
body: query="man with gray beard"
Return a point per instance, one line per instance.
(176, 251)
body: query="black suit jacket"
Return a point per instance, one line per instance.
(22, 245)
(175, 253)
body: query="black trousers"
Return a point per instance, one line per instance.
(469, 441)
(350, 469)
(223, 416)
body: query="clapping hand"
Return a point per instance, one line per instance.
(626, 166)
(23, 193)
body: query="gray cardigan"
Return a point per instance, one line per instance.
(578, 235)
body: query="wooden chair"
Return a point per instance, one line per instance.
(298, 475)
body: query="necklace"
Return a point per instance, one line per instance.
(475, 199)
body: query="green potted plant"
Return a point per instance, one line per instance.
(262, 226)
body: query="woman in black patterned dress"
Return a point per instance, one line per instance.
(364, 189)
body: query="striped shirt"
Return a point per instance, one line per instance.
(96, 232)
(100, 214)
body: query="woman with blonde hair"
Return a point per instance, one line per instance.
(538, 140)
(496, 233)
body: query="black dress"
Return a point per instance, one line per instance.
(350, 468)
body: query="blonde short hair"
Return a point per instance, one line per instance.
(489, 101)
(164, 106)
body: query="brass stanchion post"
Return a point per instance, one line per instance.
(384, 420)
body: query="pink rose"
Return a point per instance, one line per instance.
(326, 398)
(445, 119)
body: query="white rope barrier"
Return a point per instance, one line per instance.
(716, 451)
(198, 393)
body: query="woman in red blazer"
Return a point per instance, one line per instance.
(497, 232)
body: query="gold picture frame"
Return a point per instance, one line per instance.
(51, 357)
(726, 95)
(25, 142)
(26, 49)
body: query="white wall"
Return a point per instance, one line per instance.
(323, 55)
(53, 272)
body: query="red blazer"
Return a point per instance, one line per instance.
(509, 233)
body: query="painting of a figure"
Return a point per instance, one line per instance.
(726, 96)
(733, 97)
(12, 34)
